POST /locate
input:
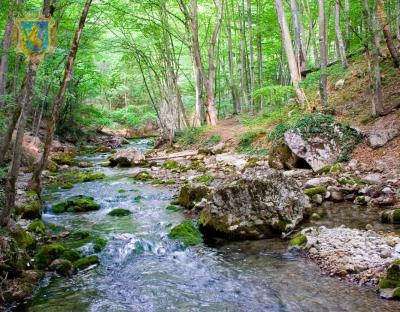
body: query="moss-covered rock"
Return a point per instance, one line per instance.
(311, 192)
(86, 262)
(298, 241)
(81, 234)
(191, 194)
(99, 244)
(391, 216)
(336, 168)
(204, 179)
(76, 204)
(64, 159)
(137, 199)
(37, 227)
(119, 212)
(143, 176)
(170, 164)
(68, 179)
(25, 240)
(48, 253)
(32, 209)
(187, 233)
(62, 267)
(360, 201)
(174, 208)
(52, 166)
(351, 181)
(389, 284)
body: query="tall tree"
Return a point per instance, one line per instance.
(287, 44)
(374, 66)
(59, 100)
(387, 33)
(5, 50)
(251, 52)
(300, 57)
(24, 103)
(323, 89)
(339, 37)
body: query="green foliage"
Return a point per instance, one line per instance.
(187, 233)
(213, 140)
(275, 95)
(189, 136)
(170, 164)
(311, 192)
(334, 72)
(247, 143)
(37, 227)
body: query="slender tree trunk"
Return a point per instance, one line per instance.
(301, 61)
(259, 53)
(375, 71)
(198, 114)
(387, 33)
(243, 58)
(398, 19)
(12, 176)
(287, 43)
(232, 79)
(58, 101)
(4, 56)
(339, 37)
(347, 23)
(251, 52)
(323, 54)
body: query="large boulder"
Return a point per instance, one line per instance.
(317, 139)
(254, 205)
(380, 137)
(128, 157)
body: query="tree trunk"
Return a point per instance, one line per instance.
(198, 114)
(375, 71)
(58, 102)
(4, 56)
(347, 23)
(251, 52)
(287, 43)
(12, 176)
(323, 88)
(301, 61)
(398, 19)
(243, 57)
(339, 37)
(387, 33)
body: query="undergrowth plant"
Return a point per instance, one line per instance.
(248, 146)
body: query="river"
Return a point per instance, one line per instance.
(142, 270)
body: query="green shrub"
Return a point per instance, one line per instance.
(247, 141)
(189, 136)
(213, 140)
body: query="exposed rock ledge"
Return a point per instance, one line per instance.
(358, 255)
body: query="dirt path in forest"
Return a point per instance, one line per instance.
(229, 129)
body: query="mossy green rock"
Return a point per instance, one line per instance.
(187, 233)
(390, 283)
(78, 235)
(32, 209)
(24, 239)
(298, 241)
(77, 204)
(86, 262)
(37, 227)
(170, 164)
(174, 208)
(391, 216)
(119, 212)
(64, 159)
(311, 192)
(204, 179)
(48, 253)
(143, 176)
(62, 267)
(191, 194)
(351, 181)
(336, 168)
(99, 244)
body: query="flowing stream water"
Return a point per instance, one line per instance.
(142, 270)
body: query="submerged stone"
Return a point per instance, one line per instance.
(119, 212)
(187, 233)
(391, 216)
(99, 244)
